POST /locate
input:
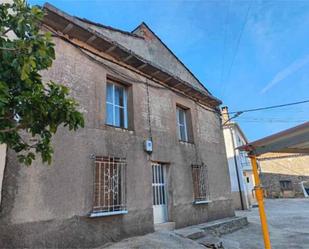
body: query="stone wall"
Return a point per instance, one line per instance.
(48, 206)
(283, 167)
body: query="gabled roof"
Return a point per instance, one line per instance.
(149, 46)
(129, 48)
(170, 59)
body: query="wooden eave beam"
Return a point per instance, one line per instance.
(91, 39)
(96, 35)
(68, 28)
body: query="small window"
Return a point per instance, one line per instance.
(286, 185)
(109, 186)
(116, 105)
(182, 124)
(199, 175)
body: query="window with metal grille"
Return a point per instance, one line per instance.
(200, 190)
(116, 105)
(109, 186)
(286, 185)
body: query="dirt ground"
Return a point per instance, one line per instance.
(157, 240)
(288, 221)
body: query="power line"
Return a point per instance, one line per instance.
(237, 44)
(238, 113)
(269, 107)
(224, 40)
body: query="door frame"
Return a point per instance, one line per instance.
(166, 185)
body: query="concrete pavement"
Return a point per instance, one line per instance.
(288, 221)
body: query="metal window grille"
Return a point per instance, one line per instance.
(109, 184)
(200, 188)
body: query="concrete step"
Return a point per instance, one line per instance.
(191, 232)
(224, 226)
(216, 228)
(167, 226)
(210, 241)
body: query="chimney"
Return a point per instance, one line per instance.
(225, 115)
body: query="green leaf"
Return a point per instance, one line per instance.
(28, 106)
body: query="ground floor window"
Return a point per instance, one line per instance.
(109, 186)
(200, 190)
(286, 185)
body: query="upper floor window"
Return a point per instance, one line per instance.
(182, 124)
(116, 105)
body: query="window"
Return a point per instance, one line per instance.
(116, 105)
(244, 160)
(286, 185)
(199, 175)
(182, 124)
(109, 186)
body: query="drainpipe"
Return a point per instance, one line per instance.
(237, 171)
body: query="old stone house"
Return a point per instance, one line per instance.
(151, 154)
(284, 175)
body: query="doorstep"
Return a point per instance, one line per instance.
(166, 226)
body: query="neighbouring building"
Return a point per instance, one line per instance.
(284, 174)
(151, 154)
(241, 175)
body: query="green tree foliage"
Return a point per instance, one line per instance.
(30, 110)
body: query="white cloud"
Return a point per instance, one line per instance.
(286, 72)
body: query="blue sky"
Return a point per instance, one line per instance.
(247, 53)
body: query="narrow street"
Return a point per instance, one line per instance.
(288, 221)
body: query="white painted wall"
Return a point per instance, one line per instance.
(2, 165)
(230, 158)
(232, 132)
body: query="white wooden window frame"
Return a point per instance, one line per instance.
(114, 105)
(184, 124)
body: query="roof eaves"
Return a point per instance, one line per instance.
(214, 102)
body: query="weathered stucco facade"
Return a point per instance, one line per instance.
(49, 206)
(282, 174)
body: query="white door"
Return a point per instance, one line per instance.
(159, 193)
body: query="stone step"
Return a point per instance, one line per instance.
(224, 226)
(217, 228)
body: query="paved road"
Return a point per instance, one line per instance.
(288, 221)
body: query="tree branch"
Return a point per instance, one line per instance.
(6, 31)
(18, 127)
(9, 49)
